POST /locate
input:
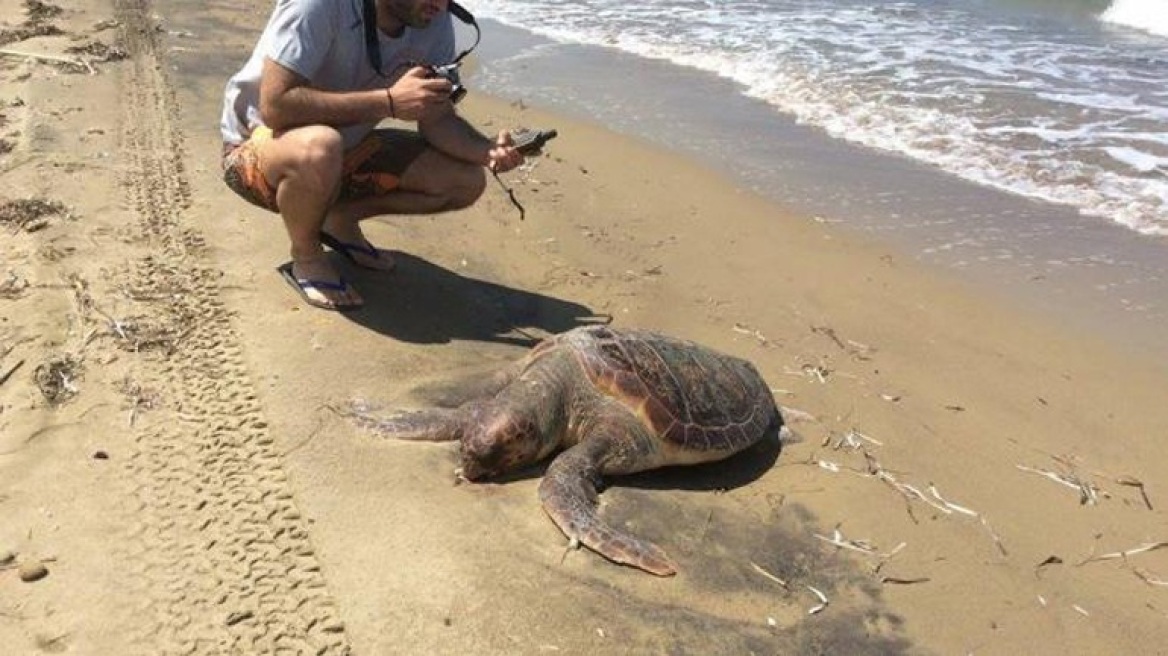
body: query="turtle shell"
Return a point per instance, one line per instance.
(688, 394)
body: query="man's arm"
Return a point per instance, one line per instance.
(448, 132)
(286, 100)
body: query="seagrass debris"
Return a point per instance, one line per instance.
(13, 286)
(867, 548)
(1075, 607)
(55, 378)
(856, 349)
(138, 333)
(138, 398)
(853, 440)
(744, 329)
(1088, 491)
(910, 492)
(30, 214)
(863, 546)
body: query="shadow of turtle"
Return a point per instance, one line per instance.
(724, 546)
(738, 470)
(423, 303)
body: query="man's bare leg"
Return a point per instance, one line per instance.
(432, 183)
(304, 166)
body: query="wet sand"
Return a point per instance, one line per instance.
(170, 450)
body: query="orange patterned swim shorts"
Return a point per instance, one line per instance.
(371, 168)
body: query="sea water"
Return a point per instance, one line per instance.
(1023, 140)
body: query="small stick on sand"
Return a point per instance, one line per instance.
(885, 558)
(1131, 481)
(823, 602)
(1143, 548)
(829, 466)
(8, 374)
(1050, 560)
(870, 440)
(770, 576)
(997, 540)
(56, 59)
(952, 506)
(898, 581)
(829, 332)
(1149, 579)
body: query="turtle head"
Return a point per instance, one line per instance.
(500, 440)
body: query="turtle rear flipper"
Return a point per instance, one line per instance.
(569, 494)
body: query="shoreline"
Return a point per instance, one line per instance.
(1084, 271)
(236, 509)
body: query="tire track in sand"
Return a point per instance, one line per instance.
(222, 559)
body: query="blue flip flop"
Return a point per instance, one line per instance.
(301, 285)
(346, 249)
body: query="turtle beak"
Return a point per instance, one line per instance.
(459, 478)
(469, 472)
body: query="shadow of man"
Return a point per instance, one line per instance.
(423, 303)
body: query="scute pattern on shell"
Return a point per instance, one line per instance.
(688, 394)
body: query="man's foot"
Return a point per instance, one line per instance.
(359, 251)
(320, 285)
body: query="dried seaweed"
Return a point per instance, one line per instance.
(30, 214)
(25, 32)
(36, 23)
(39, 12)
(96, 51)
(55, 379)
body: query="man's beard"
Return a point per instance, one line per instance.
(409, 14)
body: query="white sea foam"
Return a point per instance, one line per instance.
(1148, 15)
(1138, 160)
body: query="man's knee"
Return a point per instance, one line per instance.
(317, 156)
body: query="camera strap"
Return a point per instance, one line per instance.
(373, 45)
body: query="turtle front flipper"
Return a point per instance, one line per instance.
(569, 495)
(429, 425)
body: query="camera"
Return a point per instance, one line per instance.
(450, 72)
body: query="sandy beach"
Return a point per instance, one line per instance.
(177, 474)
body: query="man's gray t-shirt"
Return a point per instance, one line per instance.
(324, 41)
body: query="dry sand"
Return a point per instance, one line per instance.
(168, 453)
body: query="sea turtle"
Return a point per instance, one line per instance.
(611, 402)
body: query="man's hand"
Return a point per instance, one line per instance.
(416, 92)
(504, 156)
